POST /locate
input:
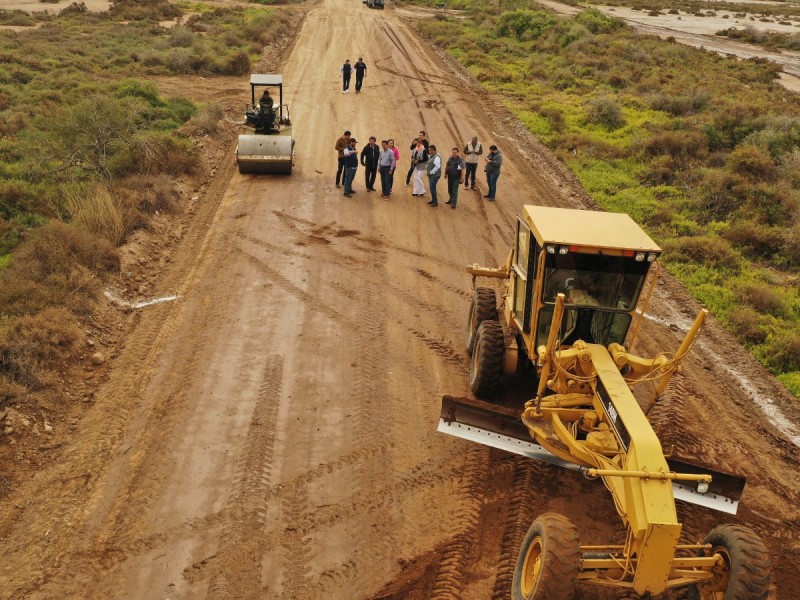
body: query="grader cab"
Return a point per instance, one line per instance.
(576, 287)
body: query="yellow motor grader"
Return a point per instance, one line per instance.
(576, 287)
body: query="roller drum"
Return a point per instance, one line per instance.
(271, 154)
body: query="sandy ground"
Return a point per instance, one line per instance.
(272, 433)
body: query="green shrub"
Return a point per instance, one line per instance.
(605, 111)
(783, 351)
(679, 145)
(747, 325)
(524, 24)
(754, 238)
(718, 194)
(709, 250)
(598, 22)
(752, 161)
(763, 297)
(236, 64)
(791, 381)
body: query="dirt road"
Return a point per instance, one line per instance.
(272, 434)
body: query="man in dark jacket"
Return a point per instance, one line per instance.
(346, 71)
(350, 167)
(493, 163)
(454, 173)
(361, 72)
(369, 160)
(421, 137)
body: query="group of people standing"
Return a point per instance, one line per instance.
(426, 163)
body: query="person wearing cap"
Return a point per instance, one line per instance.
(350, 167)
(342, 143)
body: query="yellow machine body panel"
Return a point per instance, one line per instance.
(586, 230)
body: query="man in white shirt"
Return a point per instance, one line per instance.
(472, 151)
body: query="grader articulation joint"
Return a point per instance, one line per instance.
(576, 287)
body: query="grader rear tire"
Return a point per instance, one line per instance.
(745, 574)
(486, 365)
(483, 308)
(549, 560)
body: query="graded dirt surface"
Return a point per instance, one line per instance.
(272, 433)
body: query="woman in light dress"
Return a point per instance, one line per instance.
(420, 160)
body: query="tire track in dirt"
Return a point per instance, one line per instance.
(238, 550)
(520, 516)
(297, 551)
(449, 581)
(290, 287)
(441, 284)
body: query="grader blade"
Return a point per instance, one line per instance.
(501, 427)
(724, 491)
(493, 426)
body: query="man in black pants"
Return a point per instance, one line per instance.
(361, 72)
(342, 143)
(369, 160)
(345, 72)
(421, 137)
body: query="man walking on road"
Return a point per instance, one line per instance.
(342, 143)
(471, 153)
(369, 160)
(434, 169)
(386, 165)
(345, 72)
(454, 173)
(493, 163)
(350, 167)
(361, 73)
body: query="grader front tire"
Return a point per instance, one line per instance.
(745, 572)
(483, 308)
(486, 366)
(549, 560)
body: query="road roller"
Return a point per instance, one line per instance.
(269, 148)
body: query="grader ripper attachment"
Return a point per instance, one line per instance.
(270, 148)
(576, 287)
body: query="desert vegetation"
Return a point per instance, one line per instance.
(704, 150)
(89, 149)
